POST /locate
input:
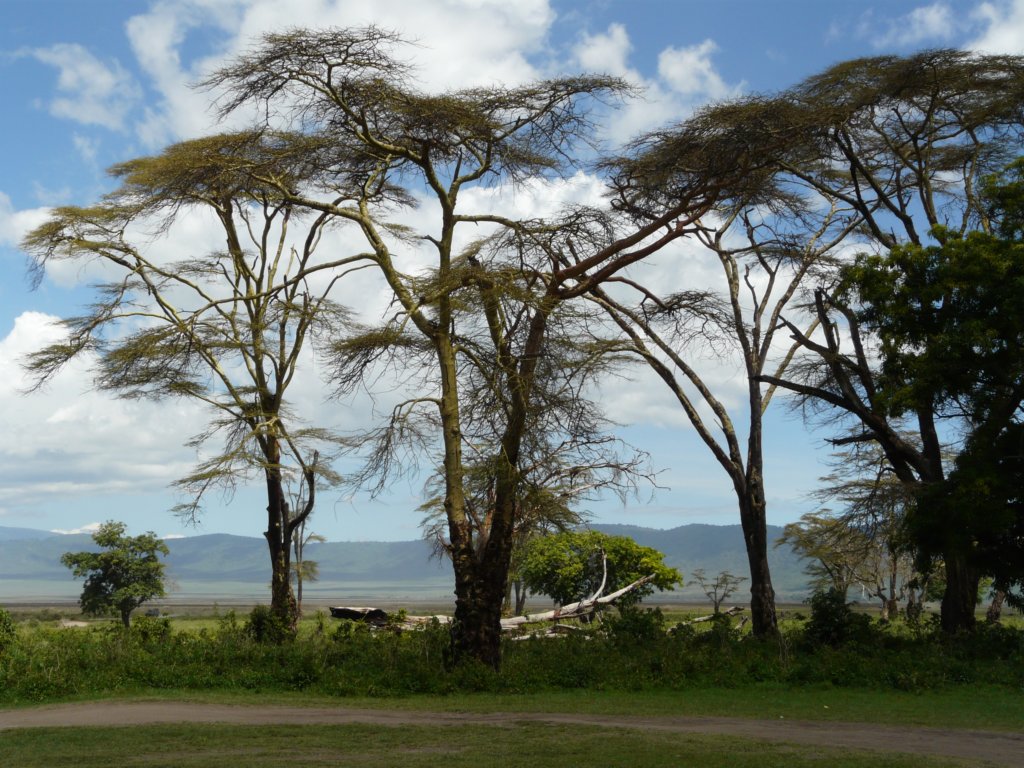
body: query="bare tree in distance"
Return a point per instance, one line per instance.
(718, 589)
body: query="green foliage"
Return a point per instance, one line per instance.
(123, 576)
(568, 566)
(832, 621)
(636, 625)
(950, 319)
(635, 653)
(7, 631)
(265, 626)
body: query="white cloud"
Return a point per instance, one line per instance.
(686, 79)
(1003, 28)
(90, 91)
(608, 53)
(926, 24)
(88, 148)
(87, 528)
(14, 225)
(690, 72)
(461, 43)
(67, 441)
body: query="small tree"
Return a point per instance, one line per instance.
(570, 566)
(304, 570)
(719, 588)
(123, 576)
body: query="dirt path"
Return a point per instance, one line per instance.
(1006, 749)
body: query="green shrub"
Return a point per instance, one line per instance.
(833, 622)
(264, 626)
(150, 629)
(7, 631)
(635, 625)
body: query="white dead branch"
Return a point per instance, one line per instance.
(586, 607)
(573, 610)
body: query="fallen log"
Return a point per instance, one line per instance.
(573, 610)
(731, 612)
(377, 617)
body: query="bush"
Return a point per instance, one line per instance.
(635, 625)
(833, 622)
(7, 631)
(264, 626)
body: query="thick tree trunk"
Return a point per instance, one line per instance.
(126, 617)
(476, 630)
(961, 595)
(764, 622)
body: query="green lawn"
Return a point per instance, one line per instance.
(971, 707)
(515, 745)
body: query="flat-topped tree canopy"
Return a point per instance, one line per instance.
(226, 325)
(352, 85)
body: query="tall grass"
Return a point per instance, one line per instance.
(634, 652)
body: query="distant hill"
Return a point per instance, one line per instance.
(222, 566)
(718, 548)
(23, 534)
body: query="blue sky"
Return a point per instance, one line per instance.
(88, 84)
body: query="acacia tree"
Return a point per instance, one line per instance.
(348, 88)
(225, 327)
(125, 574)
(719, 588)
(871, 152)
(946, 319)
(304, 568)
(768, 232)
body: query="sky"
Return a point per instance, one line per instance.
(89, 84)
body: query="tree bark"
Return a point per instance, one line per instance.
(961, 595)
(755, 534)
(476, 630)
(282, 600)
(995, 608)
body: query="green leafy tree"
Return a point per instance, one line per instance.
(906, 143)
(123, 575)
(948, 322)
(872, 152)
(569, 566)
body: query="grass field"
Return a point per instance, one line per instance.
(515, 745)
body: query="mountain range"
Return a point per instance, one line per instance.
(222, 566)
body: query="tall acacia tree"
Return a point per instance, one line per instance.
(225, 327)
(909, 141)
(768, 232)
(889, 146)
(350, 89)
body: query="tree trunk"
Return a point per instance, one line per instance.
(961, 595)
(995, 608)
(520, 598)
(476, 630)
(126, 617)
(755, 534)
(282, 599)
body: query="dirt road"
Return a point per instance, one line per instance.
(1004, 749)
